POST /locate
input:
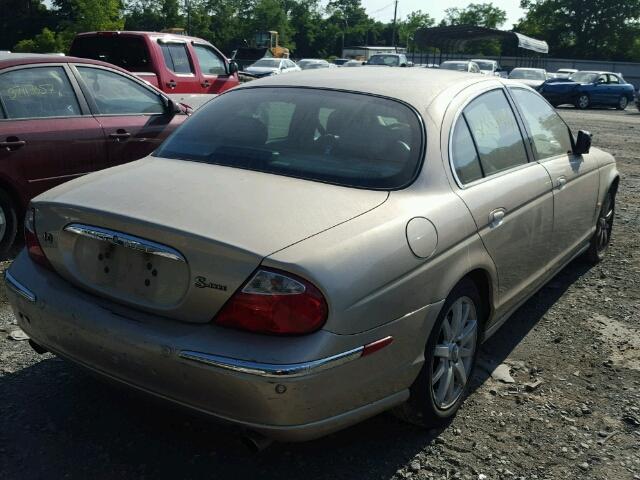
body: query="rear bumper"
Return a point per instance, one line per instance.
(294, 388)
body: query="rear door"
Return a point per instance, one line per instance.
(508, 196)
(575, 178)
(134, 116)
(213, 70)
(47, 135)
(180, 74)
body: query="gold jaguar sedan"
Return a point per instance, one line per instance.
(309, 250)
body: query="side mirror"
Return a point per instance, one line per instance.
(172, 108)
(583, 143)
(364, 63)
(233, 67)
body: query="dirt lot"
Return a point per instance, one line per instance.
(579, 336)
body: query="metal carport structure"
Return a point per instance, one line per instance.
(444, 42)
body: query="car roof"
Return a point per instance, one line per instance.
(528, 68)
(415, 86)
(135, 33)
(16, 59)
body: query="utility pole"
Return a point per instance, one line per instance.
(188, 5)
(393, 35)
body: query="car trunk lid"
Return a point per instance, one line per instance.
(178, 238)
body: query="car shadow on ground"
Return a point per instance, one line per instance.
(58, 421)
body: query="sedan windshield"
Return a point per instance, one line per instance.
(267, 62)
(322, 135)
(583, 77)
(526, 74)
(391, 60)
(460, 66)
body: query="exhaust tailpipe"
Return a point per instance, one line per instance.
(255, 441)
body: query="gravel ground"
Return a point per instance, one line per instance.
(573, 410)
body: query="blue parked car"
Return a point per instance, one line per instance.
(587, 89)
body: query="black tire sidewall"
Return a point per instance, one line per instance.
(619, 106)
(421, 398)
(11, 223)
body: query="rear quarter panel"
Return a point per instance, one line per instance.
(365, 267)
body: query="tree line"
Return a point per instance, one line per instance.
(596, 29)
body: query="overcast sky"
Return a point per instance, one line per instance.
(383, 9)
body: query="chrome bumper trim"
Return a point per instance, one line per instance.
(273, 370)
(18, 288)
(125, 240)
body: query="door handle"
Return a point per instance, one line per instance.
(496, 217)
(561, 182)
(206, 84)
(172, 84)
(12, 144)
(120, 135)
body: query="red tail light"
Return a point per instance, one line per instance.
(31, 240)
(275, 302)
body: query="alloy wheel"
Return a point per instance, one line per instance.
(583, 101)
(454, 353)
(605, 224)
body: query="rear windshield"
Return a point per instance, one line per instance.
(392, 60)
(460, 66)
(527, 74)
(328, 136)
(484, 65)
(129, 53)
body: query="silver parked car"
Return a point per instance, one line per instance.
(460, 66)
(307, 251)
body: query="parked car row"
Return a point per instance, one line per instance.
(290, 260)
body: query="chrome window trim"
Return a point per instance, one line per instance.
(125, 240)
(269, 370)
(516, 117)
(16, 287)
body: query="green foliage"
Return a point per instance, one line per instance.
(478, 14)
(598, 29)
(44, 42)
(605, 29)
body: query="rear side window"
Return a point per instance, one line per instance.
(38, 93)
(465, 157)
(115, 94)
(328, 136)
(549, 134)
(130, 53)
(495, 132)
(210, 62)
(176, 57)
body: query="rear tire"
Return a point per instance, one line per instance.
(450, 357)
(622, 103)
(583, 101)
(604, 227)
(8, 224)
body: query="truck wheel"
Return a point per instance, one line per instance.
(450, 357)
(583, 101)
(8, 223)
(622, 103)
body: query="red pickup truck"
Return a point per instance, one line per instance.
(189, 69)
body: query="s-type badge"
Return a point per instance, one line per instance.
(202, 282)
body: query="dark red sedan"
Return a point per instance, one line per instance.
(63, 117)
